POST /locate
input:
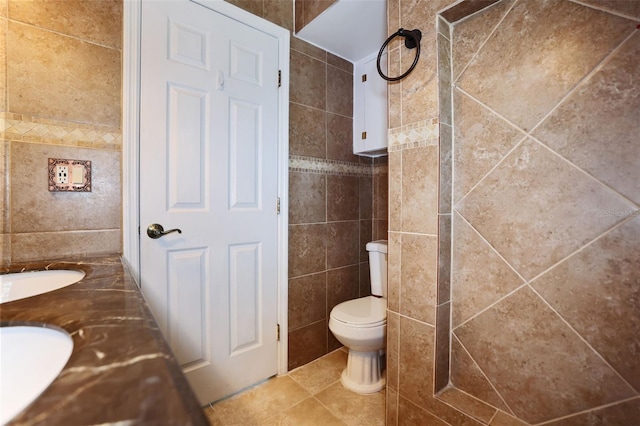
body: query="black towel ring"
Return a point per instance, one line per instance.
(412, 39)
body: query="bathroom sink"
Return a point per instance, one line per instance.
(26, 284)
(30, 359)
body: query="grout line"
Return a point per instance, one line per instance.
(483, 373)
(611, 12)
(464, 69)
(583, 171)
(493, 417)
(458, 214)
(489, 307)
(49, 30)
(584, 340)
(583, 247)
(319, 109)
(622, 401)
(501, 161)
(584, 80)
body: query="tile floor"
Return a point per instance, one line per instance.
(309, 395)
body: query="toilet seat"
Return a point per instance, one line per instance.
(364, 312)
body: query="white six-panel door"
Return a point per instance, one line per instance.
(208, 166)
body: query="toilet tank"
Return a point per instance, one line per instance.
(378, 267)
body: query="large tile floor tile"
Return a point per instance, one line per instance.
(255, 406)
(352, 408)
(319, 374)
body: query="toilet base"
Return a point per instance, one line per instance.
(363, 374)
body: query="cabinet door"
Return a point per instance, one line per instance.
(370, 108)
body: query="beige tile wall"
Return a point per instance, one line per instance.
(60, 98)
(337, 201)
(307, 10)
(538, 159)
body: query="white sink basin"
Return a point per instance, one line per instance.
(30, 359)
(27, 284)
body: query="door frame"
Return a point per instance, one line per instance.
(131, 146)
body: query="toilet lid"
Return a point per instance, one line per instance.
(367, 311)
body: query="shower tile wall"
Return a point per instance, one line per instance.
(308, 10)
(60, 98)
(337, 200)
(544, 208)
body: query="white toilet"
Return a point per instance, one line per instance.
(361, 325)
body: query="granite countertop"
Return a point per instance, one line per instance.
(121, 368)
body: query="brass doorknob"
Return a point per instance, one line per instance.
(156, 231)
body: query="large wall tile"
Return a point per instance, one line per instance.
(307, 300)
(366, 235)
(391, 415)
(339, 62)
(626, 7)
(480, 276)
(470, 405)
(342, 198)
(464, 9)
(542, 369)
(302, 46)
(597, 291)
(418, 277)
(381, 196)
(395, 191)
(420, 87)
(468, 38)
(56, 245)
(393, 349)
(481, 140)
(86, 20)
(467, 376)
(417, 341)
(342, 243)
(409, 414)
(524, 81)
(549, 221)
(307, 253)
(307, 343)
(3, 64)
(307, 197)
(623, 414)
(35, 209)
(394, 89)
(339, 82)
(365, 280)
(366, 197)
(342, 285)
(308, 80)
(503, 419)
(605, 110)
(307, 131)
(420, 190)
(394, 269)
(76, 81)
(279, 12)
(340, 138)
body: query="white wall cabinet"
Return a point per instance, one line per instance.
(369, 108)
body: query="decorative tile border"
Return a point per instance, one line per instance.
(22, 128)
(381, 169)
(328, 167)
(414, 135)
